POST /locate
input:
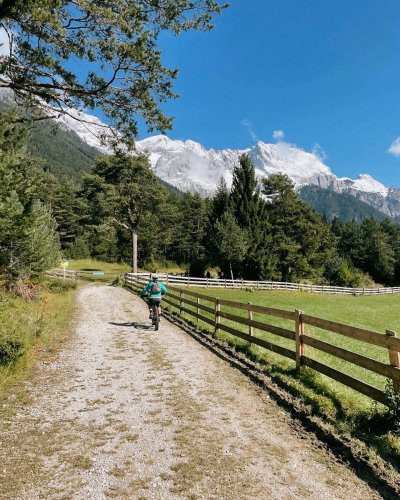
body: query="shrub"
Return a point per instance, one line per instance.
(57, 285)
(393, 413)
(10, 349)
(24, 288)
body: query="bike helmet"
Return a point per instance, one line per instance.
(155, 277)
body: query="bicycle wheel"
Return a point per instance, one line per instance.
(156, 318)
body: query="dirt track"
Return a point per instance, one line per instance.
(126, 412)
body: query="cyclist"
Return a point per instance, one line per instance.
(155, 290)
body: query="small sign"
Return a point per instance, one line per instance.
(64, 263)
(97, 273)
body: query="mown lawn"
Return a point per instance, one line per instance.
(332, 400)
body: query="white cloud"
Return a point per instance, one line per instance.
(278, 135)
(4, 43)
(395, 147)
(319, 152)
(249, 126)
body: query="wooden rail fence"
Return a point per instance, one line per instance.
(62, 273)
(189, 281)
(196, 304)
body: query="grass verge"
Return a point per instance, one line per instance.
(32, 328)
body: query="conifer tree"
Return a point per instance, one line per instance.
(117, 42)
(120, 191)
(232, 241)
(190, 242)
(251, 215)
(28, 241)
(302, 242)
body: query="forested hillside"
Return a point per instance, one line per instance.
(65, 155)
(338, 205)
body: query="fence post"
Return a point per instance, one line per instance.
(299, 339)
(197, 310)
(167, 279)
(250, 315)
(217, 316)
(180, 302)
(394, 359)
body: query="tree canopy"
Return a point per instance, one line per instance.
(97, 54)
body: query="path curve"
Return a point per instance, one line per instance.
(126, 412)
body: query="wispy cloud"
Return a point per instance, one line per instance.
(249, 126)
(319, 152)
(278, 135)
(395, 147)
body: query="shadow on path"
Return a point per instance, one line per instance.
(132, 324)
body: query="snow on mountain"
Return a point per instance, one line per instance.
(189, 166)
(368, 184)
(88, 127)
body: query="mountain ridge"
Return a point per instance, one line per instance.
(189, 166)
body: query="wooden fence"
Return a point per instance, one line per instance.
(196, 304)
(189, 281)
(62, 273)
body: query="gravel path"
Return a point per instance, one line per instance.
(126, 412)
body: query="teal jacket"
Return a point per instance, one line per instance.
(149, 287)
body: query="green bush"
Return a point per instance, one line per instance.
(57, 285)
(10, 350)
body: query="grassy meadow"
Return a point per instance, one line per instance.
(95, 270)
(92, 270)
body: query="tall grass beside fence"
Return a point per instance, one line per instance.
(28, 328)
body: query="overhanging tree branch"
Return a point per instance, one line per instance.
(117, 40)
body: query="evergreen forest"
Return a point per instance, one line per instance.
(252, 230)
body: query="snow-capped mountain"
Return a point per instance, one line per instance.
(189, 166)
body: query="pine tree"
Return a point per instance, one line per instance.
(120, 192)
(117, 42)
(251, 215)
(232, 241)
(40, 247)
(28, 240)
(302, 242)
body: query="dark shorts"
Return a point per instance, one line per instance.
(155, 302)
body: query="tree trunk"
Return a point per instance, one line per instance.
(134, 252)
(230, 267)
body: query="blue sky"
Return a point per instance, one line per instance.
(324, 72)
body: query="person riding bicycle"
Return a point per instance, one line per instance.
(155, 290)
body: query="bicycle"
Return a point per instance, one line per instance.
(155, 317)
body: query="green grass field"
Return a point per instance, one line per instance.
(106, 272)
(94, 270)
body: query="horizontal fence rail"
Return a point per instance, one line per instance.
(213, 311)
(62, 273)
(190, 281)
